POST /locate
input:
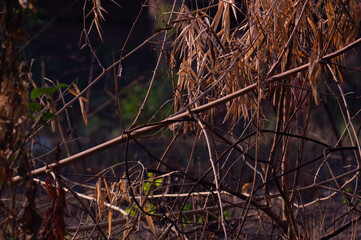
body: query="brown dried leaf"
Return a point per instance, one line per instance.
(99, 29)
(226, 20)
(110, 219)
(81, 103)
(123, 188)
(314, 73)
(99, 196)
(205, 55)
(218, 16)
(245, 188)
(340, 77)
(150, 222)
(234, 9)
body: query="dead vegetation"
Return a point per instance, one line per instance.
(263, 141)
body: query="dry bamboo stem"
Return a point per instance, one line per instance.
(138, 131)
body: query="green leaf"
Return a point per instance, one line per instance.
(62, 85)
(47, 116)
(157, 182)
(34, 106)
(187, 207)
(146, 186)
(30, 116)
(38, 92)
(226, 215)
(131, 211)
(42, 121)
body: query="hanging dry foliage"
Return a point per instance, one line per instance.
(273, 37)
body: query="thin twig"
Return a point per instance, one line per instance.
(214, 174)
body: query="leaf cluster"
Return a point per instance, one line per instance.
(273, 36)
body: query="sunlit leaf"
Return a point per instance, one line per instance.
(245, 188)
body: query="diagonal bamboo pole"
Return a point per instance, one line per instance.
(139, 131)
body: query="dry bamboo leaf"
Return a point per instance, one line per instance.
(205, 55)
(299, 53)
(229, 110)
(313, 26)
(181, 34)
(263, 166)
(110, 220)
(314, 73)
(76, 94)
(97, 11)
(106, 188)
(150, 222)
(99, 196)
(81, 103)
(52, 122)
(123, 188)
(245, 188)
(226, 20)
(329, 11)
(234, 8)
(340, 77)
(218, 16)
(99, 29)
